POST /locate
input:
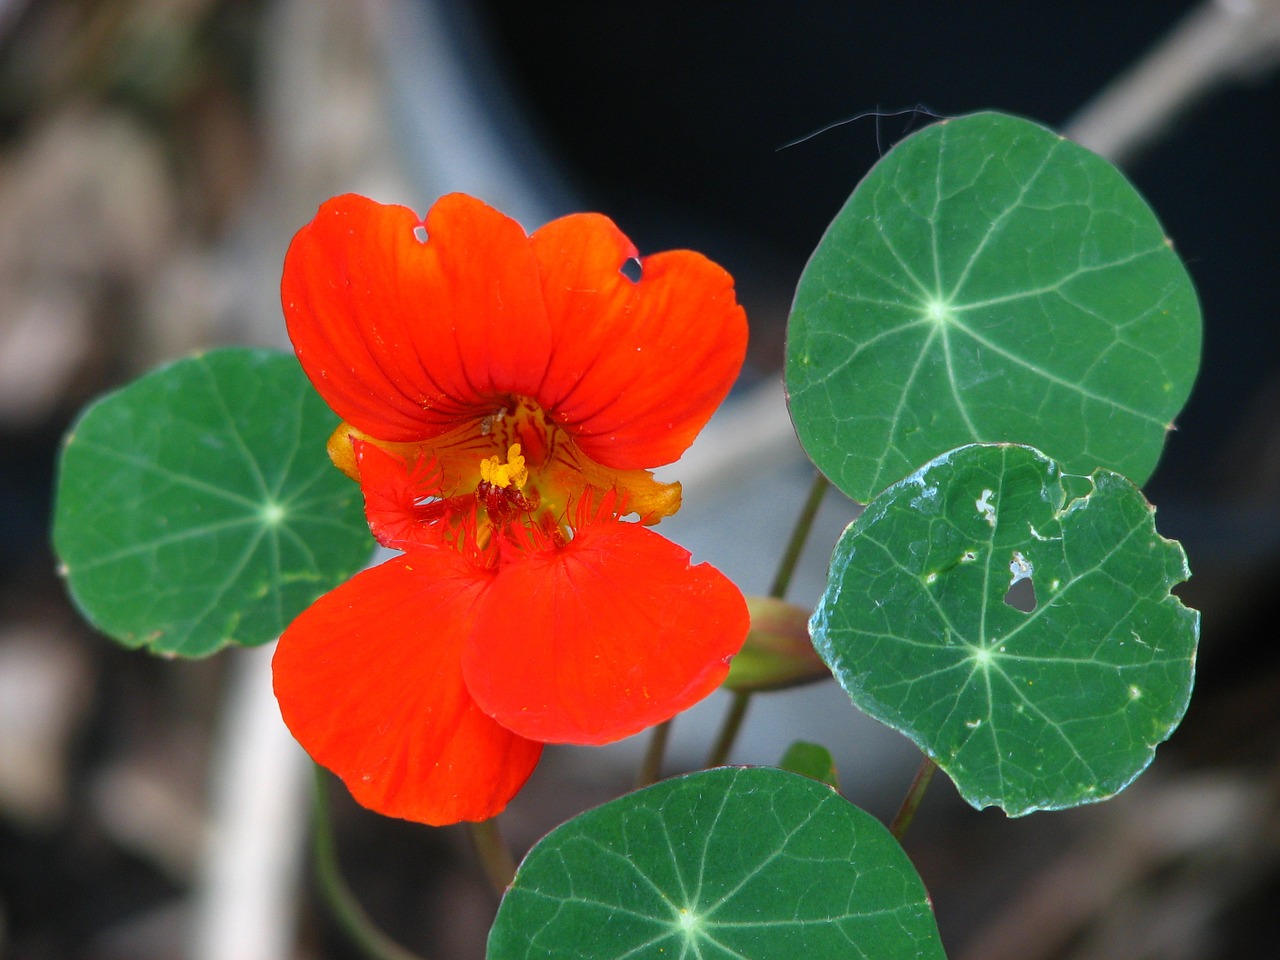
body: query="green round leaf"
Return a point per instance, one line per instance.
(811, 760)
(990, 281)
(720, 865)
(922, 625)
(197, 507)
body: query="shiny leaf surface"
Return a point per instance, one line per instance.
(990, 281)
(718, 865)
(196, 507)
(1030, 699)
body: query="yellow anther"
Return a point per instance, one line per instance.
(494, 471)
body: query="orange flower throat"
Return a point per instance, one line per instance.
(511, 468)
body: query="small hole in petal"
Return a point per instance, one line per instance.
(631, 270)
(420, 233)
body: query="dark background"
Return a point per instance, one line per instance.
(680, 120)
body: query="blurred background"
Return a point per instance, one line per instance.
(157, 155)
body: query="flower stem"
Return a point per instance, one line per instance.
(781, 582)
(651, 768)
(496, 860)
(729, 730)
(799, 534)
(911, 802)
(346, 910)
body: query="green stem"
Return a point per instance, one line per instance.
(911, 802)
(343, 904)
(651, 768)
(799, 534)
(729, 729)
(781, 582)
(496, 860)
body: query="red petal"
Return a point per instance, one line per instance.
(602, 638)
(638, 368)
(392, 492)
(405, 338)
(370, 683)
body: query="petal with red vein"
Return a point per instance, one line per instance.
(369, 682)
(638, 368)
(601, 638)
(392, 494)
(403, 337)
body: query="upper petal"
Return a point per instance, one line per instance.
(638, 368)
(405, 338)
(601, 638)
(369, 681)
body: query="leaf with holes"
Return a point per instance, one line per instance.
(196, 507)
(990, 281)
(1030, 699)
(720, 865)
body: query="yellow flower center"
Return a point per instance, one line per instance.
(494, 471)
(539, 482)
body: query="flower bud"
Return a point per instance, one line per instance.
(778, 653)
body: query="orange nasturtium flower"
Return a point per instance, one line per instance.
(503, 399)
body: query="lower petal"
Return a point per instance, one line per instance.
(599, 639)
(369, 681)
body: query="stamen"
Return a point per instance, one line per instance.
(499, 474)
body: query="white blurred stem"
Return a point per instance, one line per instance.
(1218, 42)
(248, 886)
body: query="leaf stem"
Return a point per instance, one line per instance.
(651, 767)
(911, 802)
(781, 582)
(343, 905)
(495, 857)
